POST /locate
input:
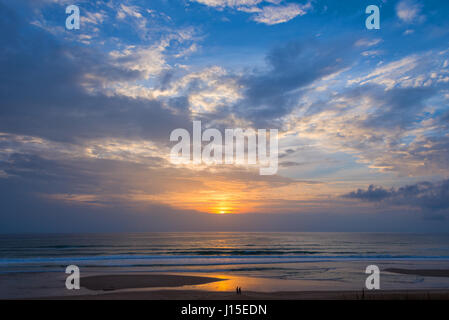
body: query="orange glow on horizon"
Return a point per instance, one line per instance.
(220, 197)
(215, 194)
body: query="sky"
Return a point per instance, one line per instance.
(86, 115)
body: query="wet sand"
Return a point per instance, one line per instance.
(101, 283)
(421, 272)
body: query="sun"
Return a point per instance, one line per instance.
(223, 210)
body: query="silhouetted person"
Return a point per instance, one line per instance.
(237, 290)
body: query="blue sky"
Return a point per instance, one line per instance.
(86, 114)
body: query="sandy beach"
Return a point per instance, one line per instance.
(132, 287)
(310, 295)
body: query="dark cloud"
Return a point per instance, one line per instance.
(43, 90)
(373, 193)
(286, 164)
(271, 94)
(445, 119)
(428, 196)
(396, 108)
(399, 107)
(101, 178)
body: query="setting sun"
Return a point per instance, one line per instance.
(224, 210)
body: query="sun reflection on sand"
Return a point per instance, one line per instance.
(231, 282)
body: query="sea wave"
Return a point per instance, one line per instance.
(219, 259)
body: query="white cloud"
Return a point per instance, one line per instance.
(368, 42)
(93, 18)
(133, 15)
(250, 9)
(148, 60)
(279, 14)
(272, 14)
(409, 11)
(229, 3)
(370, 53)
(131, 11)
(151, 60)
(390, 74)
(213, 88)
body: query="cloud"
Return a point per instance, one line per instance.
(432, 197)
(148, 61)
(278, 12)
(271, 15)
(368, 42)
(272, 94)
(130, 11)
(388, 131)
(409, 11)
(229, 3)
(373, 194)
(94, 18)
(388, 118)
(206, 90)
(393, 73)
(66, 88)
(394, 104)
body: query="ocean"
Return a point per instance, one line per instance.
(268, 261)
